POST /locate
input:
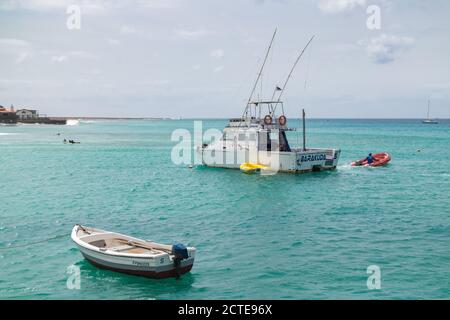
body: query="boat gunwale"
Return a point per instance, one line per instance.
(108, 252)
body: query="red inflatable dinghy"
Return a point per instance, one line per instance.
(380, 159)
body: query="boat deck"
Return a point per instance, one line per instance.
(122, 245)
(113, 242)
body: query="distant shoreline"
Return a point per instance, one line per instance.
(108, 118)
(199, 118)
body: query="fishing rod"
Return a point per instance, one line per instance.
(260, 72)
(289, 76)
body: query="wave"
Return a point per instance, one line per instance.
(346, 166)
(72, 122)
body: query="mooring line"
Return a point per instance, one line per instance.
(33, 243)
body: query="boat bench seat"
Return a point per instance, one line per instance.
(121, 247)
(113, 246)
(118, 245)
(139, 250)
(98, 243)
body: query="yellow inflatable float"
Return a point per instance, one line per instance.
(248, 167)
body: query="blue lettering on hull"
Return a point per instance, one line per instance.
(313, 157)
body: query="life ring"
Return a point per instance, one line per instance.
(267, 120)
(282, 120)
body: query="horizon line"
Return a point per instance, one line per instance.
(223, 118)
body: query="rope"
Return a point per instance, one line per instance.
(33, 243)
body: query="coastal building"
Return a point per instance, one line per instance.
(8, 116)
(26, 114)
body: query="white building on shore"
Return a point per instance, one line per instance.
(26, 114)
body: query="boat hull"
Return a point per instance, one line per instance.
(135, 266)
(296, 161)
(149, 260)
(154, 274)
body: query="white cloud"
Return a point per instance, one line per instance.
(81, 54)
(387, 48)
(23, 56)
(218, 69)
(160, 82)
(59, 59)
(154, 83)
(87, 6)
(95, 72)
(20, 49)
(127, 29)
(61, 56)
(13, 42)
(113, 42)
(217, 53)
(158, 4)
(337, 6)
(190, 34)
(32, 4)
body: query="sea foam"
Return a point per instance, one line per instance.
(72, 122)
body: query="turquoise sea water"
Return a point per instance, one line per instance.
(309, 236)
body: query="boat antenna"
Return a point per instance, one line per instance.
(260, 71)
(304, 129)
(428, 113)
(289, 75)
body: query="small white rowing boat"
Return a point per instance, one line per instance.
(121, 253)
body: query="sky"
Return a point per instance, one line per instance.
(200, 58)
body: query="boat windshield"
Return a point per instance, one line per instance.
(241, 136)
(284, 144)
(271, 141)
(228, 136)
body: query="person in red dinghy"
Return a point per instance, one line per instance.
(377, 160)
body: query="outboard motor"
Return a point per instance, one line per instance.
(180, 252)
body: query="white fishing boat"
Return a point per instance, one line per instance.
(258, 139)
(121, 253)
(428, 120)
